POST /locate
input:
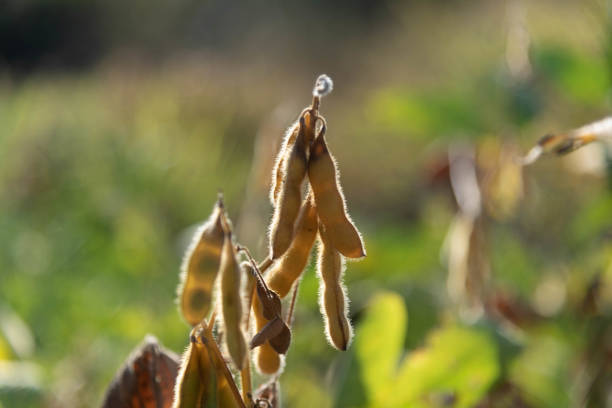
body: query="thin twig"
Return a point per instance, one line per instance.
(289, 319)
(258, 273)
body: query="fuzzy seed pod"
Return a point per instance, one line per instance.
(332, 295)
(200, 267)
(231, 298)
(331, 207)
(267, 360)
(279, 163)
(196, 384)
(249, 287)
(289, 268)
(290, 196)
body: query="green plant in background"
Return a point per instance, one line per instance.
(101, 172)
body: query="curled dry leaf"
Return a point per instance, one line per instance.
(146, 380)
(267, 360)
(270, 330)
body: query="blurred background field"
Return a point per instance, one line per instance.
(119, 123)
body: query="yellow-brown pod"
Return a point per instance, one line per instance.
(279, 162)
(331, 207)
(200, 267)
(249, 287)
(267, 360)
(231, 301)
(226, 398)
(290, 266)
(290, 196)
(196, 384)
(332, 295)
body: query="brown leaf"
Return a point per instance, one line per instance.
(280, 343)
(146, 380)
(270, 301)
(270, 330)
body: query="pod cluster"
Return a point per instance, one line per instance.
(308, 203)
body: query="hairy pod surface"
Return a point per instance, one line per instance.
(290, 266)
(329, 200)
(249, 287)
(196, 384)
(199, 269)
(279, 162)
(290, 196)
(267, 360)
(231, 301)
(332, 295)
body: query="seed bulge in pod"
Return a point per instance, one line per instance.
(329, 200)
(290, 197)
(200, 267)
(332, 296)
(290, 266)
(231, 301)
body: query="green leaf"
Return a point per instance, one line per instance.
(457, 363)
(379, 343)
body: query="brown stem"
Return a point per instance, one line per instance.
(316, 102)
(289, 319)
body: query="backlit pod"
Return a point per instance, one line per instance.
(231, 301)
(267, 360)
(196, 384)
(199, 269)
(329, 200)
(332, 294)
(290, 266)
(279, 162)
(290, 196)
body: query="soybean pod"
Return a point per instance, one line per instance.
(290, 196)
(200, 267)
(291, 265)
(231, 301)
(332, 294)
(331, 206)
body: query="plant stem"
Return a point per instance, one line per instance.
(289, 319)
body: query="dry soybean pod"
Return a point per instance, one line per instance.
(199, 268)
(290, 196)
(289, 268)
(279, 162)
(267, 360)
(331, 206)
(231, 301)
(196, 384)
(332, 295)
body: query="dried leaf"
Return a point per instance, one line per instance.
(146, 380)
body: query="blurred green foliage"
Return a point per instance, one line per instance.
(102, 174)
